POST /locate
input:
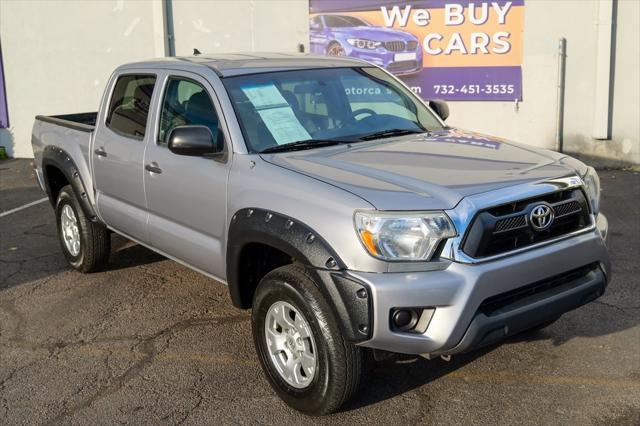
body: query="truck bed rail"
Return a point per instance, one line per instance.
(84, 121)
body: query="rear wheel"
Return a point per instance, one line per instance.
(301, 348)
(85, 244)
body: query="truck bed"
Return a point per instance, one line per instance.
(84, 121)
(71, 133)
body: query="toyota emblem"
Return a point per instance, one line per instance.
(541, 217)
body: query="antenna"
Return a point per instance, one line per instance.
(196, 52)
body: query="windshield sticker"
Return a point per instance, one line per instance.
(264, 96)
(283, 125)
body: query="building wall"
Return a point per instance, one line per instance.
(533, 121)
(240, 26)
(58, 56)
(626, 89)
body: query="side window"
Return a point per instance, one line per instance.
(187, 103)
(130, 103)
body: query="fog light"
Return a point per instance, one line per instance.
(411, 320)
(404, 319)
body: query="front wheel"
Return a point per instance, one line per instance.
(85, 244)
(301, 348)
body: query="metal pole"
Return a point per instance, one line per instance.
(562, 57)
(167, 6)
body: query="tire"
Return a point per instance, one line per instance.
(92, 252)
(338, 363)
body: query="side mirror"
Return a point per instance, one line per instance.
(192, 140)
(314, 26)
(441, 108)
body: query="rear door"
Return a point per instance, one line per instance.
(118, 154)
(186, 195)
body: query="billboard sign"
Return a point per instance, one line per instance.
(452, 50)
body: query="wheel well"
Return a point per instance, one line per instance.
(254, 262)
(55, 181)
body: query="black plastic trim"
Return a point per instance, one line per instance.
(58, 158)
(510, 320)
(82, 122)
(350, 299)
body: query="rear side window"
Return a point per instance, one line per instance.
(130, 103)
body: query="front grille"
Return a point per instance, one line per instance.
(507, 227)
(509, 300)
(511, 223)
(412, 45)
(402, 66)
(566, 209)
(394, 46)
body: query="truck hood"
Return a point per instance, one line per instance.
(425, 172)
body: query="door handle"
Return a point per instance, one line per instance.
(100, 152)
(153, 168)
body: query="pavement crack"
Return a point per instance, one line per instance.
(3, 384)
(150, 349)
(622, 309)
(58, 345)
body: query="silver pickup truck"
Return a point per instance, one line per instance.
(333, 202)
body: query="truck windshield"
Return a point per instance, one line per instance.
(341, 104)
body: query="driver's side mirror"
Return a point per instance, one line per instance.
(441, 108)
(192, 140)
(315, 26)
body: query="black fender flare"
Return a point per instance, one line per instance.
(60, 159)
(349, 298)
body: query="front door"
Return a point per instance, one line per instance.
(118, 155)
(186, 195)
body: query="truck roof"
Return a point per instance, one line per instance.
(233, 64)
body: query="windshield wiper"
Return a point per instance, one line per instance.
(391, 132)
(305, 144)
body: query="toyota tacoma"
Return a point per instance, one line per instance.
(348, 221)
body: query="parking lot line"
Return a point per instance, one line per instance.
(17, 209)
(471, 376)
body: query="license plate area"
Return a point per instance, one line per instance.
(407, 56)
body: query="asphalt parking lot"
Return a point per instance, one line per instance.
(149, 341)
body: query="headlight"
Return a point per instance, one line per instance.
(400, 236)
(361, 43)
(592, 186)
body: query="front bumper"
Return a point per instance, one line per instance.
(457, 292)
